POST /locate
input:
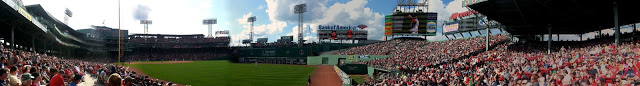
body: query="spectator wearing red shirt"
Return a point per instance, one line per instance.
(56, 80)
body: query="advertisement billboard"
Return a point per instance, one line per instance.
(343, 34)
(222, 32)
(338, 32)
(262, 40)
(450, 27)
(286, 38)
(246, 41)
(411, 24)
(466, 3)
(388, 21)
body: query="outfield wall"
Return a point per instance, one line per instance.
(333, 59)
(346, 80)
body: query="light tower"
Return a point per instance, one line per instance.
(251, 19)
(67, 15)
(299, 9)
(210, 22)
(146, 25)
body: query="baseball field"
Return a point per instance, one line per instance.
(225, 73)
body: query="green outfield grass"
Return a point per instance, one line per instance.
(225, 73)
(358, 79)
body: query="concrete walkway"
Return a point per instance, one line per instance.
(90, 81)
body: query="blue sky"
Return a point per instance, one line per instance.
(275, 18)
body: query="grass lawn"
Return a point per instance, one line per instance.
(358, 79)
(225, 73)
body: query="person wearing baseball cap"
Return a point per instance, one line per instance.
(26, 79)
(37, 78)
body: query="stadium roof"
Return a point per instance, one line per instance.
(167, 35)
(25, 30)
(38, 10)
(529, 17)
(26, 33)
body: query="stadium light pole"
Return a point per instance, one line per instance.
(299, 9)
(251, 20)
(119, 34)
(210, 22)
(146, 25)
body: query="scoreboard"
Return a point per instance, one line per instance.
(411, 24)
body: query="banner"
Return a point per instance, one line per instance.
(11, 4)
(431, 26)
(466, 3)
(262, 40)
(343, 76)
(343, 34)
(222, 32)
(449, 27)
(388, 21)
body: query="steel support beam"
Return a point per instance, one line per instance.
(617, 26)
(549, 40)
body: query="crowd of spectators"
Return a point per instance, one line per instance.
(113, 75)
(178, 40)
(596, 62)
(175, 55)
(380, 48)
(23, 68)
(413, 54)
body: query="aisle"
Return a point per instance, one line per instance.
(89, 81)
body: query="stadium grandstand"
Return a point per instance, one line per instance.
(37, 49)
(526, 54)
(164, 47)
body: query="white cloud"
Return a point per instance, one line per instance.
(258, 30)
(294, 32)
(309, 36)
(350, 13)
(261, 7)
(169, 17)
(444, 12)
(455, 7)
(283, 10)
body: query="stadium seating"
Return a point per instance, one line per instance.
(413, 54)
(595, 62)
(175, 55)
(36, 63)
